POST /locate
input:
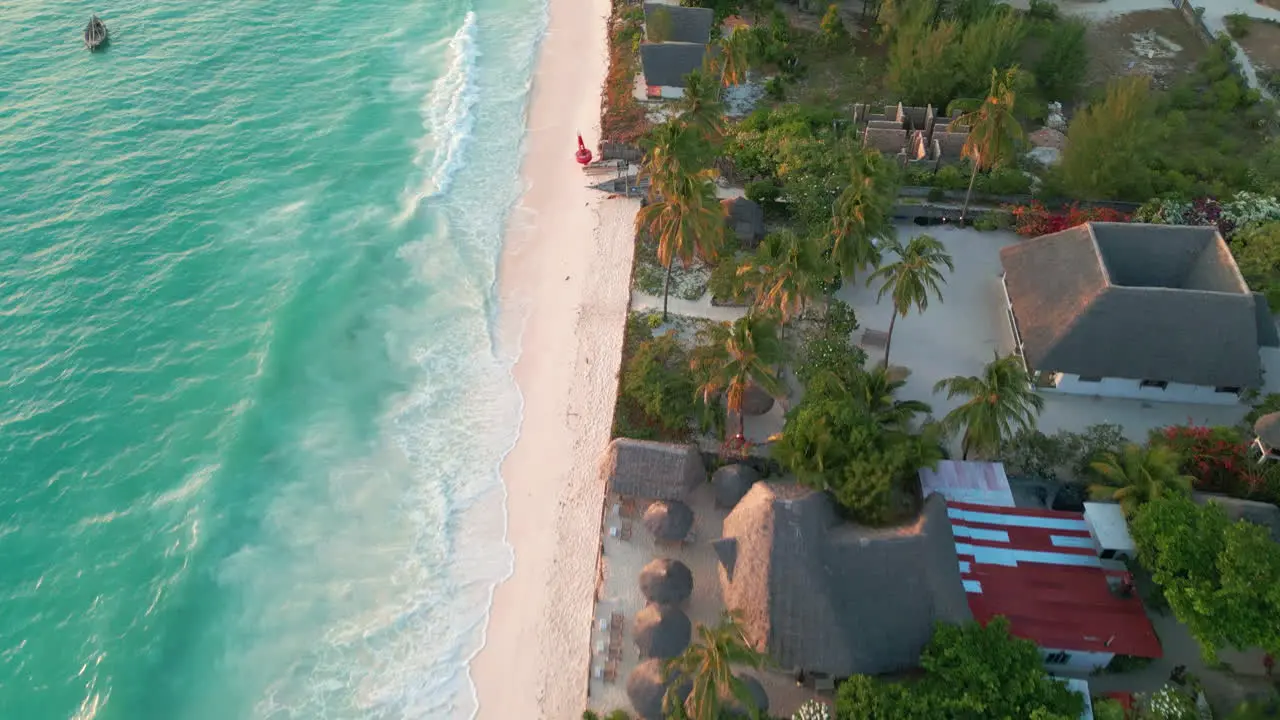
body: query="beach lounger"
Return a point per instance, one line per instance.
(603, 624)
(616, 620)
(625, 534)
(613, 531)
(611, 671)
(597, 672)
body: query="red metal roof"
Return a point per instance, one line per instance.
(1040, 569)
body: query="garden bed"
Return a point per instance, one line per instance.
(1158, 43)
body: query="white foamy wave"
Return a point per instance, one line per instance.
(448, 117)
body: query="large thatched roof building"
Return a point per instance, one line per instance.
(825, 596)
(652, 470)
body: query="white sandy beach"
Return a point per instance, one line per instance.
(564, 280)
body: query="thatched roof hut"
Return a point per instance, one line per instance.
(1267, 428)
(646, 689)
(655, 470)
(662, 631)
(755, 401)
(669, 520)
(822, 595)
(745, 219)
(731, 484)
(735, 709)
(666, 582)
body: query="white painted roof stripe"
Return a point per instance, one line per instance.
(989, 518)
(1009, 557)
(965, 566)
(980, 533)
(1075, 541)
(972, 586)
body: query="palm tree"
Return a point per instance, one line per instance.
(732, 357)
(785, 274)
(707, 667)
(993, 130)
(700, 106)
(687, 221)
(1000, 403)
(735, 56)
(1137, 475)
(863, 213)
(911, 279)
(672, 151)
(875, 391)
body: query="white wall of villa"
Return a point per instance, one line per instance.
(1057, 660)
(1141, 390)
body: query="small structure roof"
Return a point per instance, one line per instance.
(666, 64)
(1258, 513)
(1268, 334)
(655, 470)
(1143, 302)
(669, 520)
(827, 596)
(1267, 428)
(688, 24)
(1039, 569)
(661, 631)
(666, 582)
(1108, 526)
(983, 483)
(733, 708)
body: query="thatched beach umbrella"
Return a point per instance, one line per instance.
(666, 582)
(755, 401)
(731, 484)
(733, 707)
(646, 689)
(1267, 428)
(669, 520)
(661, 631)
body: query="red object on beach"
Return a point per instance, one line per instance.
(583, 156)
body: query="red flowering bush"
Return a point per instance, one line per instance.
(1218, 458)
(1035, 219)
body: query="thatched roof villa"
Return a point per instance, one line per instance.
(652, 470)
(835, 598)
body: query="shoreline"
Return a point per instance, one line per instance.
(564, 284)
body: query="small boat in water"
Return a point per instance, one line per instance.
(95, 34)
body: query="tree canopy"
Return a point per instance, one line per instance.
(1221, 579)
(972, 672)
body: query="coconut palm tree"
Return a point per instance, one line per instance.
(700, 106)
(875, 391)
(863, 213)
(993, 130)
(707, 668)
(686, 220)
(672, 151)
(910, 280)
(731, 357)
(735, 56)
(1001, 402)
(1137, 475)
(786, 273)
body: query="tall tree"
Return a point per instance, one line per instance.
(911, 279)
(735, 55)
(1001, 402)
(863, 213)
(1112, 144)
(1137, 475)
(876, 391)
(707, 667)
(700, 107)
(686, 220)
(1221, 579)
(994, 132)
(786, 272)
(673, 151)
(731, 357)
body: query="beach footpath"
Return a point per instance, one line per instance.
(564, 291)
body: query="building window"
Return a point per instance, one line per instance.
(1107, 554)
(1057, 658)
(1227, 389)
(1157, 384)
(1089, 378)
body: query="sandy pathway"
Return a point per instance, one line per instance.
(565, 281)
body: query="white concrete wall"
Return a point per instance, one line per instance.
(1124, 388)
(1077, 660)
(670, 92)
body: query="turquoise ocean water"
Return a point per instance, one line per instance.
(249, 383)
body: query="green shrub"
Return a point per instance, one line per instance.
(657, 379)
(774, 89)
(1237, 24)
(949, 177)
(936, 194)
(1008, 181)
(986, 223)
(1061, 69)
(725, 284)
(1043, 10)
